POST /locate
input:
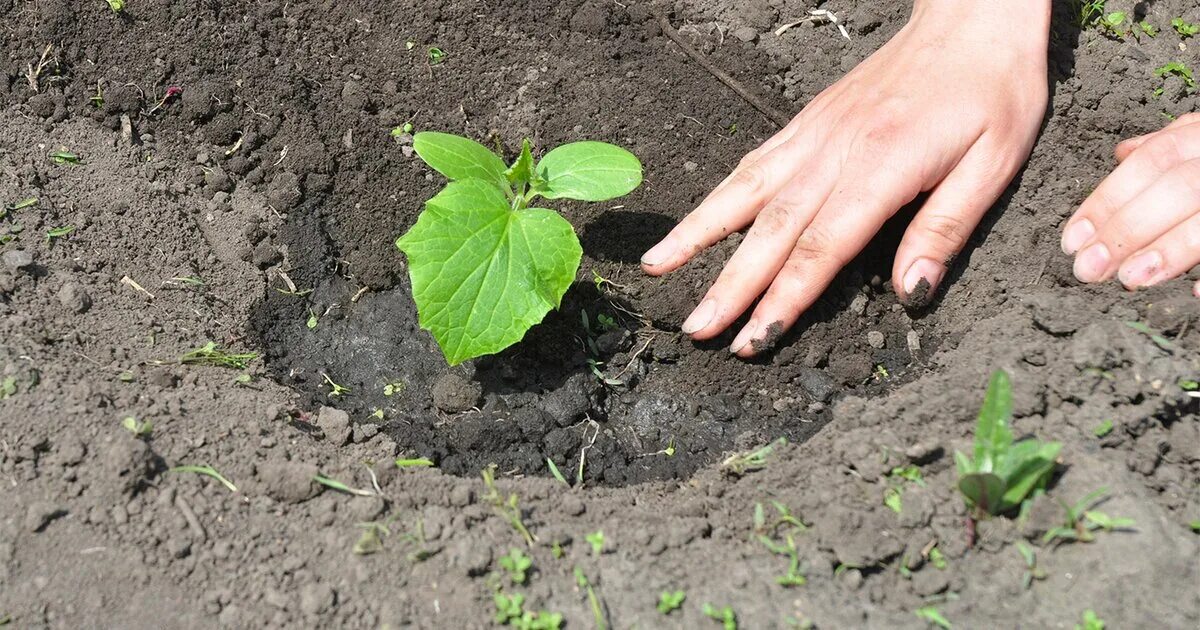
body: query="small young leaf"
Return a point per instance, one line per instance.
(482, 274)
(588, 171)
(522, 170)
(984, 490)
(992, 436)
(459, 158)
(1026, 468)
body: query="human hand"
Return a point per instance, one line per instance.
(1142, 223)
(951, 106)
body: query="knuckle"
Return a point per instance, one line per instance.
(949, 230)
(1188, 118)
(1161, 151)
(814, 247)
(1186, 177)
(752, 179)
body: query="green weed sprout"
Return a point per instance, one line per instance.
(210, 354)
(767, 533)
(517, 564)
(670, 601)
(724, 614)
(934, 616)
(505, 507)
(1032, 570)
(1091, 621)
(739, 464)
(117, 6)
(1081, 521)
(596, 540)
(138, 429)
(1002, 473)
(206, 470)
(1184, 28)
(1181, 70)
(485, 266)
(417, 462)
(598, 615)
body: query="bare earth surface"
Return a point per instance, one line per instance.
(268, 193)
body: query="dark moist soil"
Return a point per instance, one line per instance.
(268, 195)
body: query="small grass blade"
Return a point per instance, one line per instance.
(337, 485)
(419, 462)
(205, 469)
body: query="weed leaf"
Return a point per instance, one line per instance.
(483, 274)
(522, 170)
(588, 171)
(459, 158)
(992, 436)
(1026, 468)
(985, 490)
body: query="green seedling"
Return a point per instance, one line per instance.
(596, 540)
(436, 55)
(478, 246)
(8, 387)
(933, 616)
(510, 611)
(371, 539)
(1032, 570)
(329, 482)
(725, 615)
(739, 464)
(1148, 29)
(1081, 521)
(1181, 70)
(506, 507)
(892, 494)
(420, 462)
(1002, 473)
(65, 157)
(593, 600)
(125, 377)
(27, 202)
(392, 389)
(937, 559)
(1112, 23)
(58, 232)
(117, 6)
(768, 533)
(517, 564)
(670, 601)
(377, 414)
(555, 471)
(210, 354)
(1195, 526)
(1088, 12)
(242, 379)
(138, 429)
(1184, 28)
(207, 470)
(335, 390)
(556, 550)
(313, 320)
(1103, 429)
(1091, 621)
(97, 99)
(1189, 385)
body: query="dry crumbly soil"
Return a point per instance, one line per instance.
(267, 195)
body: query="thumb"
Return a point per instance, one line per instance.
(942, 226)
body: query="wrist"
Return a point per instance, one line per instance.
(988, 21)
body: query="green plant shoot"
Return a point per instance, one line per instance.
(1002, 473)
(485, 266)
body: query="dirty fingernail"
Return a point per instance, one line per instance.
(1092, 262)
(1076, 235)
(659, 254)
(700, 317)
(744, 337)
(1140, 271)
(923, 269)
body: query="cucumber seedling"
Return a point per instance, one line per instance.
(485, 265)
(1002, 473)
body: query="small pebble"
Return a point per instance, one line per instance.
(876, 339)
(17, 259)
(690, 166)
(914, 341)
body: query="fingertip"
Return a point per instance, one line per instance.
(920, 281)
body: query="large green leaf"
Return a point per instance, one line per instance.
(588, 171)
(483, 274)
(459, 158)
(992, 435)
(1025, 468)
(984, 490)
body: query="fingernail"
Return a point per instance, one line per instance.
(659, 254)
(1076, 235)
(744, 337)
(1092, 262)
(1140, 271)
(700, 317)
(926, 269)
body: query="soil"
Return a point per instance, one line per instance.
(257, 209)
